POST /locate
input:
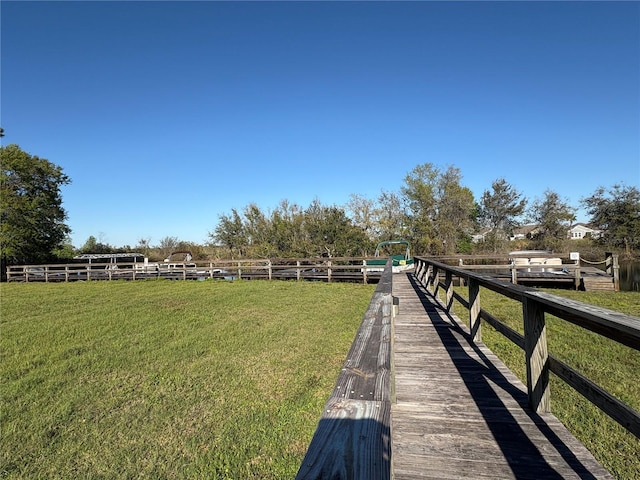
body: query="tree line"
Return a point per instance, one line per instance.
(433, 210)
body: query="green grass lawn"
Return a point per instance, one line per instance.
(164, 379)
(611, 365)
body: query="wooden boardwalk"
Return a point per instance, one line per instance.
(457, 412)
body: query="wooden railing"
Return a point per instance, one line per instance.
(353, 435)
(573, 268)
(329, 269)
(624, 329)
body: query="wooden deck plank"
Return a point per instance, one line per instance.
(460, 413)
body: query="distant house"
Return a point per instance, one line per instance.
(526, 231)
(481, 235)
(582, 230)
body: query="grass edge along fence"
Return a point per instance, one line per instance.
(623, 329)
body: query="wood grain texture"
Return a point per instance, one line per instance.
(460, 413)
(352, 440)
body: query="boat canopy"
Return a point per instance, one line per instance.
(386, 243)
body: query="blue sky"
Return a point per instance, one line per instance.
(167, 114)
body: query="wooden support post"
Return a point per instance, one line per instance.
(428, 285)
(270, 269)
(536, 355)
(474, 311)
(298, 270)
(514, 274)
(364, 271)
(436, 281)
(420, 271)
(448, 280)
(329, 271)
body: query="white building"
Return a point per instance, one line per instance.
(582, 230)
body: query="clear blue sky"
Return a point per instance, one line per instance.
(167, 114)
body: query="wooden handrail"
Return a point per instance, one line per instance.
(622, 328)
(352, 437)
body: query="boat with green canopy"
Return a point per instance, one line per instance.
(398, 250)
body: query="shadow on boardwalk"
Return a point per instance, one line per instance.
(530, 453)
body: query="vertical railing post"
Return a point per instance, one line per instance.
(448, 281)
(436, 281)
(270, 269)
(364, 271)
(329, 271)
(428, 278)
(420, 273)
(474, 311)
(536, 355)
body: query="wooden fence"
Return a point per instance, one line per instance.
(327, 269)
(548, 269)
(624, 329)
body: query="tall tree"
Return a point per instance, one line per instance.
(230, 232)
(419, 195)
(390, 217)
(32, 220)
(500, 210)
(554, 217)
(331, 232)
(617, 213)
(92, 245)
(455, 210)
(363, 214)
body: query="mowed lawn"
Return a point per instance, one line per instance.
(161, 379)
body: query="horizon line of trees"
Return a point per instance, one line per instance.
(432, 210)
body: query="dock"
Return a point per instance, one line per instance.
(459, 412)
(421, 397)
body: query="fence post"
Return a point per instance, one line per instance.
(364, 271)
(612, 267)
(536, 355)
(329, 271)
(298, 270)
(474, 311)
(270, 269)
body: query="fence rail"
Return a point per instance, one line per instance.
(328, 269)
(624, 329)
